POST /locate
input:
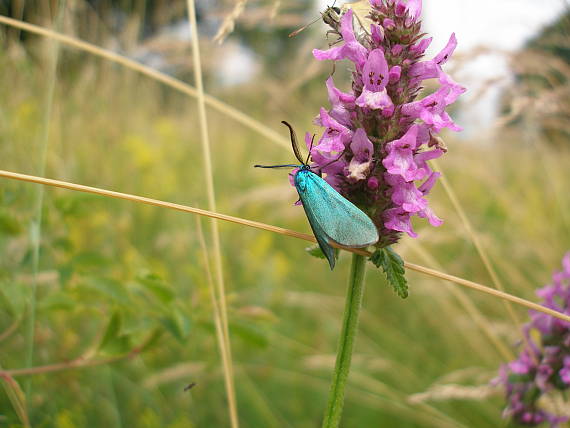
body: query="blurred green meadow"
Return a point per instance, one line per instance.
(115, 277)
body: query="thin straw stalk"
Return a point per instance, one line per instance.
(475, 240)
(217, 252)
(180, 86)
(282, 231)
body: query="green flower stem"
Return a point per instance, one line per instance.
(346, 342)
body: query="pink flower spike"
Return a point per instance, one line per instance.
(373, 183)
(565, 371)
(414, 11)
(338, 95)
(427, 185)
(400, 160)
(431, 110)
(388, 24)
(376, 101)
(400, 8)
(340, 101)
(432, 218)
(413, 7)
(377, 33)
(375, 71)
(398, 219)
(424, 70)
(420, 47)
(397, 49)
(395, 73)
(442, 57)
(375, 78)
(362, 150)
(455, 89)
(406, 195)
(421, 162)
(335, 137)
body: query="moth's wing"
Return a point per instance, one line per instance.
(322, 238)
(338, 218)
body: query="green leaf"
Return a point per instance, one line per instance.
(157, 287)
(315, 251)
(109, 288)
(9, 224)
(393, 266)
(112, 331)
(178, 324)
(153, 339)
(115, 343)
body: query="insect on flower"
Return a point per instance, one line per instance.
(331, 16)
(332, 217)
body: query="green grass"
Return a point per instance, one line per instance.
(112, 272)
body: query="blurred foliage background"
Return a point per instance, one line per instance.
(114, 276)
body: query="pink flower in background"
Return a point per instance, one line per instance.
(542, 367)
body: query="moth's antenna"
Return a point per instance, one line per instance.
(294, 33)
(276, 166)
(310, 148)
(294, 142)
(333, 161)
(304, 27)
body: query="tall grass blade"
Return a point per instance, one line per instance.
(209, 178)
(35, 229)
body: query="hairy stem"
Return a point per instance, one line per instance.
(346, 342)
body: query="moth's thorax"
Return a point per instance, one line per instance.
(301, 177)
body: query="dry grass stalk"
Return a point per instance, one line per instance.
(452, 392)
(180, 86)
(475, 240)
(229, 23)
(257, 225)
(216, 250)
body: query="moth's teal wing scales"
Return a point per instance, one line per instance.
(321, 236)
(332, 217)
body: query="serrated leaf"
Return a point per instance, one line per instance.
(315, 251)
(393, 266)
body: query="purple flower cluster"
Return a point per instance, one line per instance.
(379, 135)
(541, 368)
